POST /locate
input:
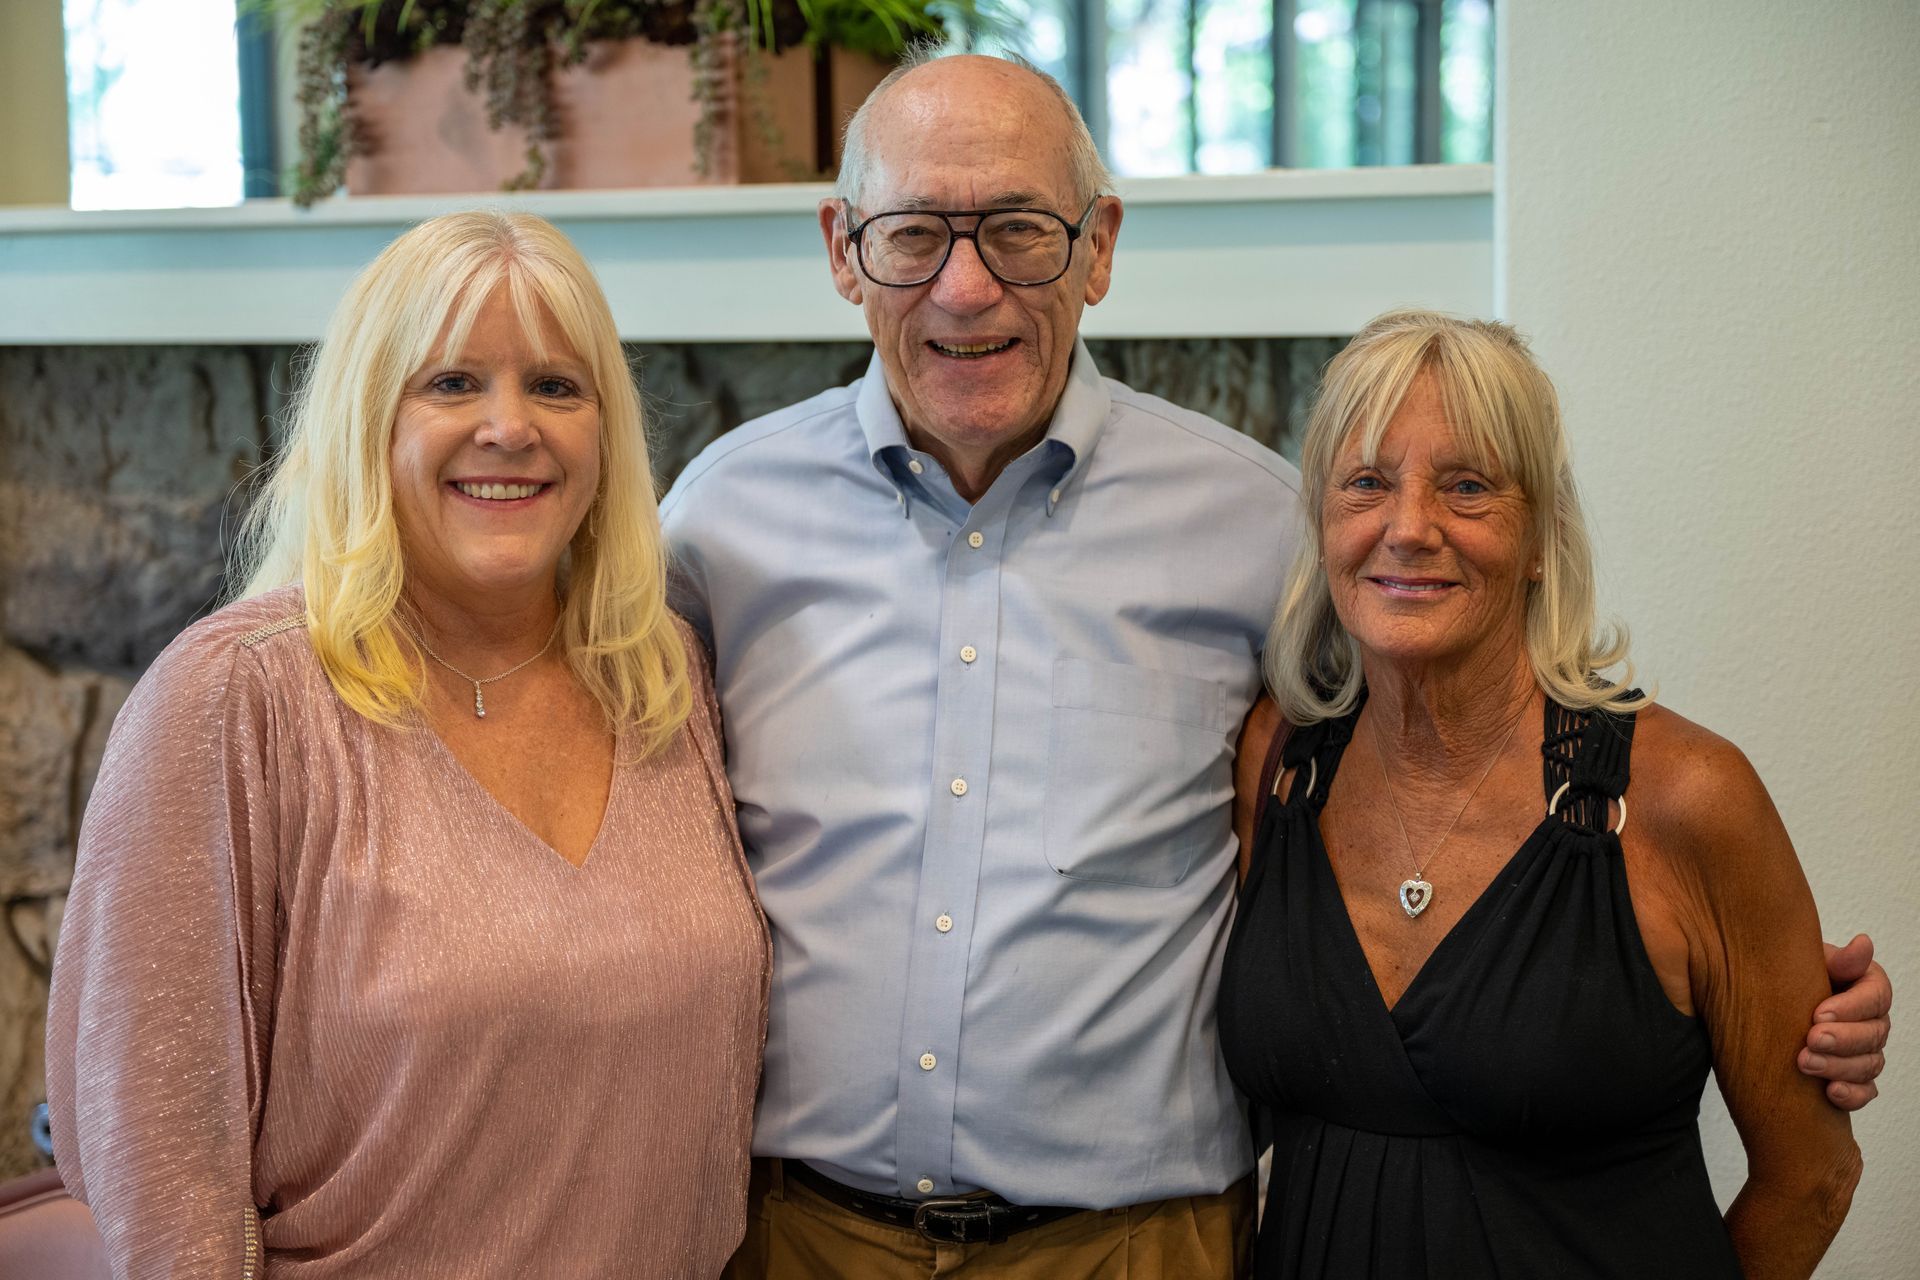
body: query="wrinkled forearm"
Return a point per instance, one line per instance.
(1781, 1227)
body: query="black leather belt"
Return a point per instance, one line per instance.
(972, 1220)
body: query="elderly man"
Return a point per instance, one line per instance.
(985, 629)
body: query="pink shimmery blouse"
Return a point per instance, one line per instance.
(322, 1008)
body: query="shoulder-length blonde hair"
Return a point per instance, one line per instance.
(325, 519)
(1507, 417)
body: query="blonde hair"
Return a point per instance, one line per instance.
(1507, 417)
(325, 519)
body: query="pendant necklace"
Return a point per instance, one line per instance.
(479, 699)
(1416, 894)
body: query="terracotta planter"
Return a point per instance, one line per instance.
(626, 118)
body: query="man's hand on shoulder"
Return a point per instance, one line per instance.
(1846, 1044)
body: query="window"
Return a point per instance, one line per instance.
(153, 103)
(1232, 86)
(168, 106)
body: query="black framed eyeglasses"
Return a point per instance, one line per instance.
(1018, 246)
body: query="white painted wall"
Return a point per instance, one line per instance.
(1707, 215)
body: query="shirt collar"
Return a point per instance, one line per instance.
(1077, 422)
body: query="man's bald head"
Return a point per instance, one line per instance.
(975, 364)
(927, 84)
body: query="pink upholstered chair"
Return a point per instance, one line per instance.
(45, 1234)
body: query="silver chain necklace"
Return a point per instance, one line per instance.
(479, 699)
(1416, 895)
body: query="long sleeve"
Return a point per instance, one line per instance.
(316, 989)
(686, 569)
(156, 1025)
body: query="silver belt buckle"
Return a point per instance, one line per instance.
(921, 1210)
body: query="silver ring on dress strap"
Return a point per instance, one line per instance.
(1313, 776)
(1619, 800)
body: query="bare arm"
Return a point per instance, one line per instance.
(1756, 972)
(1256, 736)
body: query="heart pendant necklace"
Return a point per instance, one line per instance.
(1416, 893)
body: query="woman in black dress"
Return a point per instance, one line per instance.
(1473, 1005)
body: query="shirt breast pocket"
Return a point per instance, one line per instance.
(1139, 775)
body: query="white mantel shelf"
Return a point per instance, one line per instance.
(1282, 253)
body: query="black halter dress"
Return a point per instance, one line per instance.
(1528, 1109)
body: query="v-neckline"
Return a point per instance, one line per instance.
(606, 809)
(1458, 928)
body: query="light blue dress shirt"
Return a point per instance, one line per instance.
(983, 757)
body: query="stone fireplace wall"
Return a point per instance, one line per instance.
(124, 481)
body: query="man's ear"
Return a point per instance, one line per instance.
(1103, 229)
(833, 228)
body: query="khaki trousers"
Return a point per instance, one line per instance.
(793, 1234)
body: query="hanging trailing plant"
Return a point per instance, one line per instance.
(513, 47)
(320, 92)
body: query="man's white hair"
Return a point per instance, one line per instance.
(1086, 172)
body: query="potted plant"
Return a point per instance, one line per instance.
(460, 95)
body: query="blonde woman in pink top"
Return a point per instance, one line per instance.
(411, 934)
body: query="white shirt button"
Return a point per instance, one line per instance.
(927, 1062)
(1054, 496)
(958, 786)
(925, 1185)
(944, 924)
(913, 465)
(968, 653)
(975, 538)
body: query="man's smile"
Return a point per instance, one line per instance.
(971, 350)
